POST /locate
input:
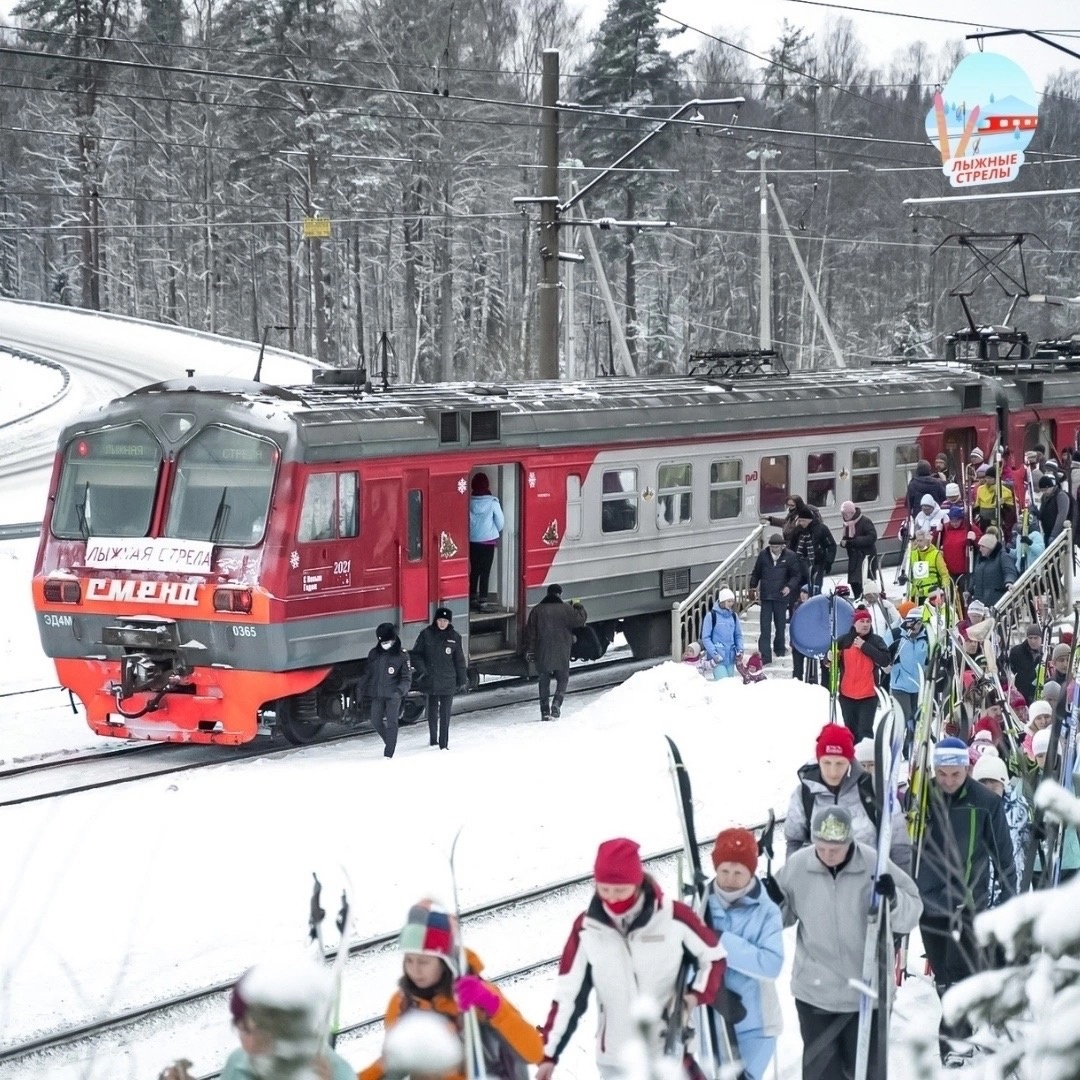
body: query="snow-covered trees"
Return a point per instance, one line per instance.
(1033, 1002)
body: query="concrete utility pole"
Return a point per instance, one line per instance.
(551, 209)
(548, 336)
(765, 304)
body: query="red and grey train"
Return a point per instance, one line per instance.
(216, 554)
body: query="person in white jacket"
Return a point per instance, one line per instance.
(628, 944)
(826, 890)
(931, 517)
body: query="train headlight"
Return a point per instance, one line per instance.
(63, 591)
(238, 600)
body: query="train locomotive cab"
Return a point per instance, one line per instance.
(151, 583)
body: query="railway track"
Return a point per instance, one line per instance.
(198, 1007)
(83, 772)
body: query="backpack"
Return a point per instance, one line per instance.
(865, 787)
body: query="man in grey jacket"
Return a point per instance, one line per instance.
(549, 637)
(826, 889)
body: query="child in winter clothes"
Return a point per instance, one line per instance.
(431, 980)
(751, 927)
(722, 636)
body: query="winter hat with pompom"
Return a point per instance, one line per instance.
(724, 595)
(737, 846)
(287, 996)
(864, 751)
(835, 740)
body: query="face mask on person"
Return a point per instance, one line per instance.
(385, 644)
(620, 907)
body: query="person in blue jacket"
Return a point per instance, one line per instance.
(910, 646)
(486, 523)
(751, 929)
(721, 635)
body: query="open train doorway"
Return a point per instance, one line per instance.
(494, 560)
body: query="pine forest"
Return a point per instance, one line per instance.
(159, 159)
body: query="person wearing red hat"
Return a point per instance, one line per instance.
(628, 943)
(862, 656)
(751, 927)
(835, 778)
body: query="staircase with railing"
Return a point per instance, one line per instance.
(1041, 594)
(734, 574)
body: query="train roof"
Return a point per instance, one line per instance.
(339, 419)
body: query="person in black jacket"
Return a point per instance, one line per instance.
(549, 637)
(776, 576)
(966, 830)
(816, 548)
(994, 571)
(1024, 660)
(860, 541)
(387, 679)
(923, 483)
(438, 648)
(1054, 506)
(863, 654)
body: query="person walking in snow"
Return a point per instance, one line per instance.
(751, 927)
(909, 645)
(438, 647)
(431, 981)
(486, 523)
(775, 581)
(722, 636)
(281, 1011)
(965, 832)
(994, 572)
(825, 889)
(549, 639)
(923, 483)
(991, 771)
(835, 778)
(862, 655)
(387, 679)
(930, 517)
(815, 546)
(926, 568)
(629, 943)
(859, 539)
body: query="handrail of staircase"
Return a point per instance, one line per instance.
(1042, 591)
(733, 573)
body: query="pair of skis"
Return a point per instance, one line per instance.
(716, 1045)
(878, 950)
(343, 922)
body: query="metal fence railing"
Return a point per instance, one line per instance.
(1043, 592)
(734, 574)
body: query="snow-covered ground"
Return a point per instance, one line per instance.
(28, 386)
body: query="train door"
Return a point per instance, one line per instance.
(414, 557)
(957, 444)
(494, 620)
(1041, 433)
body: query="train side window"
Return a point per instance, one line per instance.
(574, 510)
(414, 546)
(865, 475)
(907, 459)
(725, 490)
(674, 495)
(821, 479)
(774, 484)
(619, 501)
(348, 507)
(317, 511)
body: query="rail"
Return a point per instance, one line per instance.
(734, 574)
(1042, 591)
(20, 530)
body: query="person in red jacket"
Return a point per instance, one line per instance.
(958, 538)
(862, 655)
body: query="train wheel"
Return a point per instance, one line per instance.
(411, 710)
(298, 719)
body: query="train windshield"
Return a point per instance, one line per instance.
(107, 484)
(222, 488)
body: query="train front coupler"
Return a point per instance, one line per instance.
(152, 661)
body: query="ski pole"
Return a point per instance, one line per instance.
(316, 914)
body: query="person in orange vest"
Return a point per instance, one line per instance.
(862, 655)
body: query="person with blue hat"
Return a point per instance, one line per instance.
(966, 831)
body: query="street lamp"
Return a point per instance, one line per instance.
(262, 347)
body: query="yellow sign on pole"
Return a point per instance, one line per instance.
(316, 228)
